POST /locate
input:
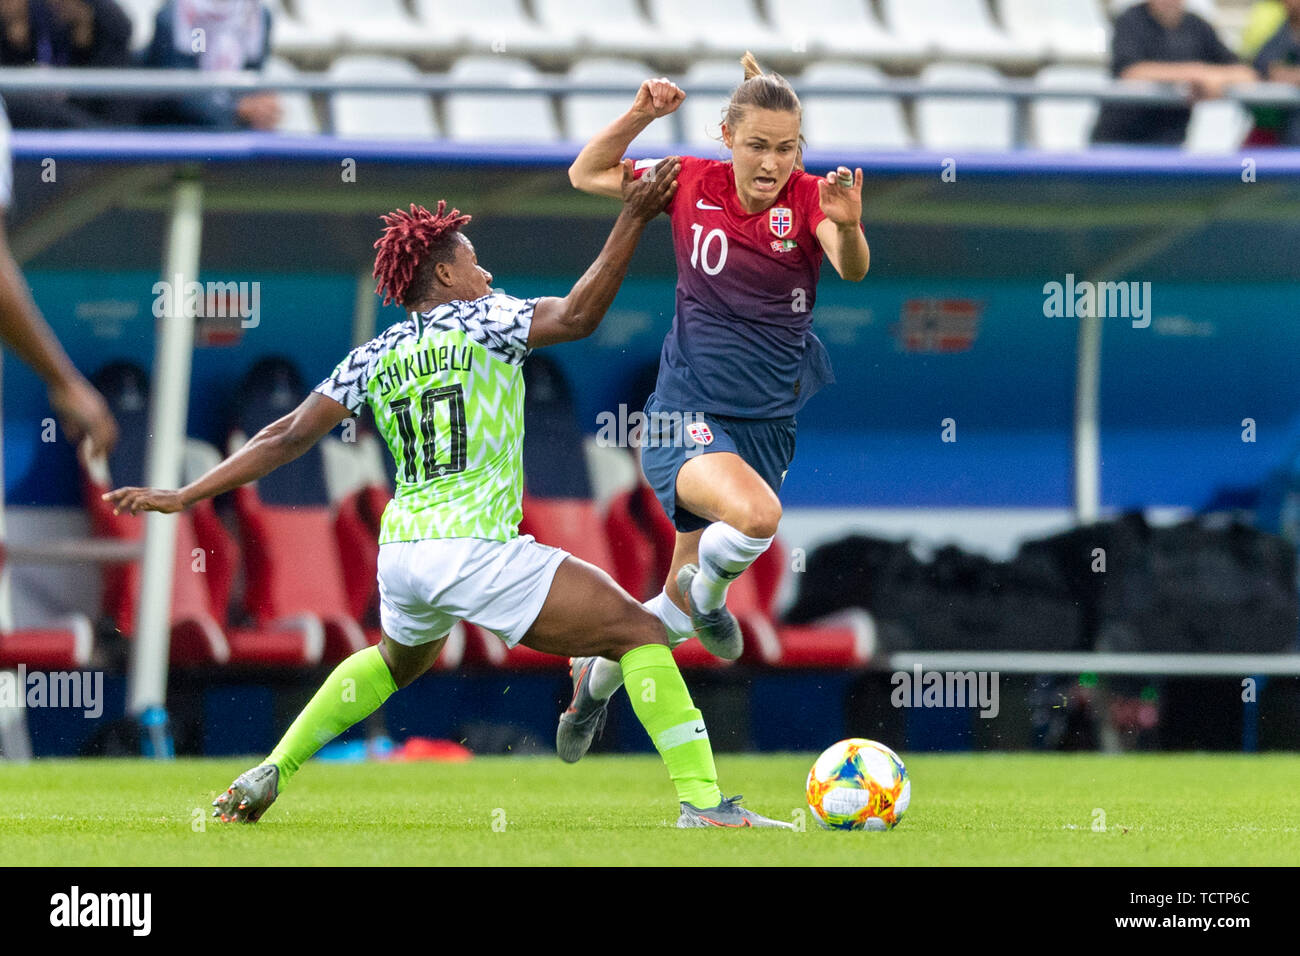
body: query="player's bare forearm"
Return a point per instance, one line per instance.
(854, 253)
(839, 194)
(846, 248)
(594, 293)
(25, 332)
(1277, 73)
(266, 452)
(270, 448)
(277, 444)
(596, 170)
(81, 410)
(1155, 71)
(578, 314)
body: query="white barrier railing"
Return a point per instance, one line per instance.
(145, 83)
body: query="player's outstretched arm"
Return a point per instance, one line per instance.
(840, 233)
(596, 170)
(81, 409)
(278, 443)
(578, 314)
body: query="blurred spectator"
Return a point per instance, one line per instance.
(213, 35)
(1161, 41)
(1262, 21)
(1279, 62)
(91, 33)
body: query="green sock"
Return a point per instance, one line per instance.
(350, 694)
(663, 705)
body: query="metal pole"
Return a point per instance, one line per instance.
(1021, 127)
(365, 309)
(1087, 438)
(6, 600)
(147, 687)
(15, 743)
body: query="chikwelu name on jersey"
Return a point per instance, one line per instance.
(435, 358)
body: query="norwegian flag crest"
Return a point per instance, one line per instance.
(700, 433)
(780, 219)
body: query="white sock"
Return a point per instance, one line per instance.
(724, 554)
(607, 676)
(676, 621)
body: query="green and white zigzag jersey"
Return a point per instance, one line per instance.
(447, 390)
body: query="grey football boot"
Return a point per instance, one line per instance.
(728, 813)
(718, 630)
(585, 717)
(249, 796)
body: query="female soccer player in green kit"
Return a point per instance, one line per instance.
(446, 387)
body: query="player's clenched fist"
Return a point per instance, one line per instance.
(648, 196)
(658, 97)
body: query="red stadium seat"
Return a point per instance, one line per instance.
(64, 645)
(372, 500)
(637, 520)
(205, 561)
(843, 642)
(67, 647)
(657, 527)
(767, 573)
(827, 644)
(294, 570)
(761, 643)
(199, 600)
(358, 545)
(482, 649)
(221, 552)
(633, 553)
(572, 524)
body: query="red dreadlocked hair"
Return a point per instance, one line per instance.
(406, 242)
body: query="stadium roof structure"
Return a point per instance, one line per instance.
(1011, 215)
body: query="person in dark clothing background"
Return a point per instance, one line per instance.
(59, 33)
(1161, 41)
(1278, 61)
(212, 35)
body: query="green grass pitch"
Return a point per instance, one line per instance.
(1003, 809)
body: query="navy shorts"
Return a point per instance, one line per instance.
(671, 436)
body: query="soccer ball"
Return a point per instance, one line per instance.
(858, 785)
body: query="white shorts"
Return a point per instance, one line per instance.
(425, 587)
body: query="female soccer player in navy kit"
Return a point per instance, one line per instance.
(740, 360)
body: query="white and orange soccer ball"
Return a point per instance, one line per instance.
(858, 784)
